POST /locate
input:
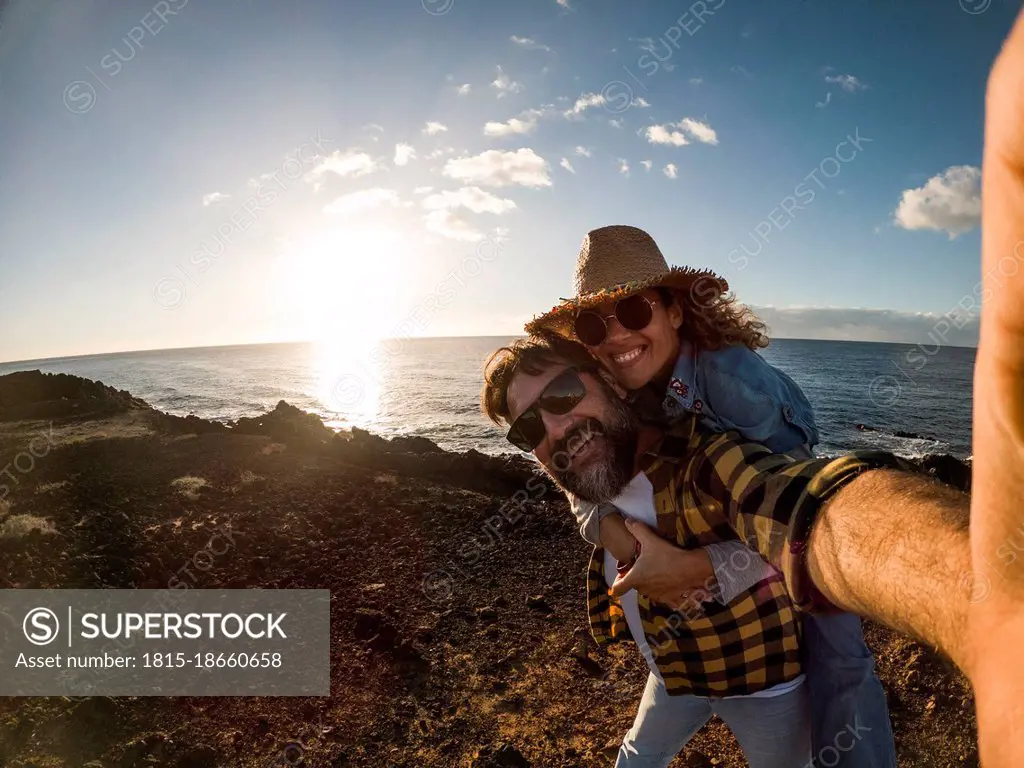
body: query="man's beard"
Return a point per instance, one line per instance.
(604, 477)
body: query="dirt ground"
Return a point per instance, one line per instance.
(455, 608)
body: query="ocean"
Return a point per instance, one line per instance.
(430, 387)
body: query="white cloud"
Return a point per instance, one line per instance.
(440, 152)
(567, 165)
(646, 164)
(432, 128)
(949, 202)
(404, 153)
(422, 190)
(871, 325)
(503, 84)
(349, 162)
(615, 123)
(495, 168)
(513, 126)
(583, 152)
(544, 111)
(848, 83)
(666, 134)
(471, 198)
(702, 132)
(364, 200)
(564, 4)
(449, 224)
(696, 80)
(671, 171)
(214, 197)
(623, 166)
(589, 100)
(825, 103)
(530, 43)
(463, 89)
(663, 134)
(585, 102)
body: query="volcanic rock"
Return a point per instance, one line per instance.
(38, 395)
(500, 756)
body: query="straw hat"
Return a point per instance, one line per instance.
(616, 262)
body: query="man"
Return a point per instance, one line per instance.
(921, 571)
(908, 570)
(705, 488)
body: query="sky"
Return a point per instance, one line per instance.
(180, 173)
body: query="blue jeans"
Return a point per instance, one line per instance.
(774, 732)
(850, 723)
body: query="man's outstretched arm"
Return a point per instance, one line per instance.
(889, 545)
(894, 547)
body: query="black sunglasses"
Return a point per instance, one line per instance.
(634, 313)
(561, 395)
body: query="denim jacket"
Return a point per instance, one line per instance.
(736, 388)
(731, 388)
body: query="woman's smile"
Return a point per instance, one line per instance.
(630, 357)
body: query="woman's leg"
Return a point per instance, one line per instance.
(662, 727)
(774, 731)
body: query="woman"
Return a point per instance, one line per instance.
(680, 343)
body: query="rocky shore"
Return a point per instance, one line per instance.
(457, 628)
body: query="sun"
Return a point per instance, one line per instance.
(343, 287)
(341, 284)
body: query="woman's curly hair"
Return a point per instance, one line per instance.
(713, 319)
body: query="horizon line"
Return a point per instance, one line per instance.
(406, 338)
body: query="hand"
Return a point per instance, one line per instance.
(664, 572)
(996, 615)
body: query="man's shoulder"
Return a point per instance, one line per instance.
(687, 443)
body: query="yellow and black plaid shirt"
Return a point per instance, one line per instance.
(717, 487)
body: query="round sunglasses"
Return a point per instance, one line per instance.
(560, 396)
(634, 313)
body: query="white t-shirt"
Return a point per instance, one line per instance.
(636, 502)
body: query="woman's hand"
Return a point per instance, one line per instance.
(665, 573)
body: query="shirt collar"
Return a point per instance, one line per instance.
(675, 444)
(682, 385)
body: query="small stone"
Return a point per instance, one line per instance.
(539, 603)
(199, 756)
(500, 756)
(486, 614)
(513, 703)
